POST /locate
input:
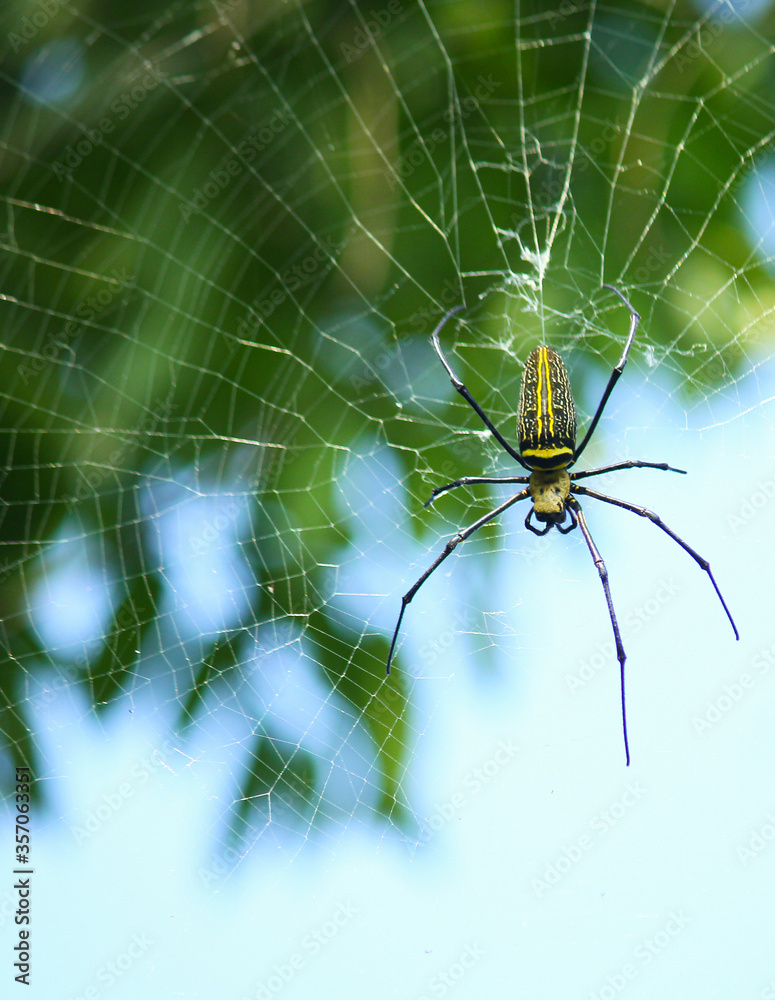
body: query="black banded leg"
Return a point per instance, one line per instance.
(471, 480)
(461, 536)
(656, 519)
(603, 572)
(632, 463)
(461, 388)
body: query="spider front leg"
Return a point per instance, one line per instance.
(461, 388)
(615, 374)
(631, 463)
(575, 506)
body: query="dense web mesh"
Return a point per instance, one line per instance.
(228, 231)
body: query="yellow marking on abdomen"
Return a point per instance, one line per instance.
(549, 389)
(544, 374)
(546, 454)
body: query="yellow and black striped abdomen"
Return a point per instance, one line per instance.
(546, 420)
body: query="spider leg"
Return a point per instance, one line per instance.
(453, 542)
(634, 320)
(573, 521)
(549, 524)
(632, 463)
(656, 519)
(621, 656)
(467, 395)
(531, 527)
(469, 480)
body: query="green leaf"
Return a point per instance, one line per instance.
(354, 666)
(134, 616)
(223, 657)
(15, 735)
(281, 776)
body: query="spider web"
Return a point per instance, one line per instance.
(229, 230)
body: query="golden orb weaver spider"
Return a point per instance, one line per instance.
(546, 427)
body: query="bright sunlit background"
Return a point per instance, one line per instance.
(229, 231)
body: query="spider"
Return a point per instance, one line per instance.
(546, 427)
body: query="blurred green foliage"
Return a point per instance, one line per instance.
(220, 217)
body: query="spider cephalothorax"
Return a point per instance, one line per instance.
(546, 427)
(549, 491)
